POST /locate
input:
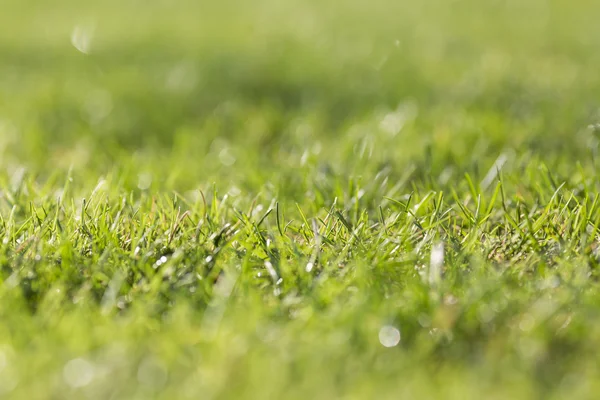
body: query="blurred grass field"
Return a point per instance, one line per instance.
(299, 199)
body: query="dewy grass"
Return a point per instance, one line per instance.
(300, 200)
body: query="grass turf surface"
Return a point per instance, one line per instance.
(299, 200)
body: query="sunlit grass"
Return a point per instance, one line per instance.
(299, 200)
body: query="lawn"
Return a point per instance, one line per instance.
(299, 199)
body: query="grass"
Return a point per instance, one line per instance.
(299, 200)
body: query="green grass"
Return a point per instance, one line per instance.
(254, 200)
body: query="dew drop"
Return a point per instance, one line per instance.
(81, 38)
(144, 181)
(389, 336)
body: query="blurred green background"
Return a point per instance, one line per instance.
(269, 80)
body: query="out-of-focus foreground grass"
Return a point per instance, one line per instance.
(294, 199)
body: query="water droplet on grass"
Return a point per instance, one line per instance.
(389, 336)
(161, 261)
(435, 263)
(144, 181)
(81, 38)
